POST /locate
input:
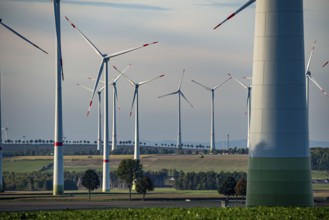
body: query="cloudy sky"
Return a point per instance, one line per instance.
(186, 40)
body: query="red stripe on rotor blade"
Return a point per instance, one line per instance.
(58, 144)
(106, 161)
(145, 45)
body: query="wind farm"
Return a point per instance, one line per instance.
(286, 114)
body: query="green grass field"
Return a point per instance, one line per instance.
(22, 166)
(187, 163)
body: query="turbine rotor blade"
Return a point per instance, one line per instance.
(318, 85)
(241, 83)
(236, 12)
(94, 79)
(95, 86)
(325, 64)
(181, 81)
(216, 87)
(61, 59)
(78, 84)
(101, 89)
(185, 98)
(310, 59)
(121, 73)
(85, 37)
(118, 77)
(129, 50)
(22, 37)
(132, 104)
(147, 81)
(207, 88)
(125, 69)
(172, 93)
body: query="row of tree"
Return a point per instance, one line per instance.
(43, 180)
(42, 150)
(205, 180)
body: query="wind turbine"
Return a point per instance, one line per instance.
(30, 42)
(136, 85)
(99, 93)
(309, 77)
(105, 59)
(58, 175)
(212, 127)
(279, 132)
(114, 115)
(248, 104)
(180, 93)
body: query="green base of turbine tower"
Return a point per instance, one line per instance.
(58, 190)
(279, 182)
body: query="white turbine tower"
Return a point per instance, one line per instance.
(135, 97)
(24, 38)
(309, 77)
(180, 93)
(279, 171)
(58, 175)
(99, 135)
(248, 105)
(105, 59)
(212, 127)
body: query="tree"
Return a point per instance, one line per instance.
(143, 185)
(90, 180)
(241, 187)
(227, 187)
(129, 170)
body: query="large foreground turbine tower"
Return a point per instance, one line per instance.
(279, 172)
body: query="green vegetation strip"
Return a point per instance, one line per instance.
(177, 213)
